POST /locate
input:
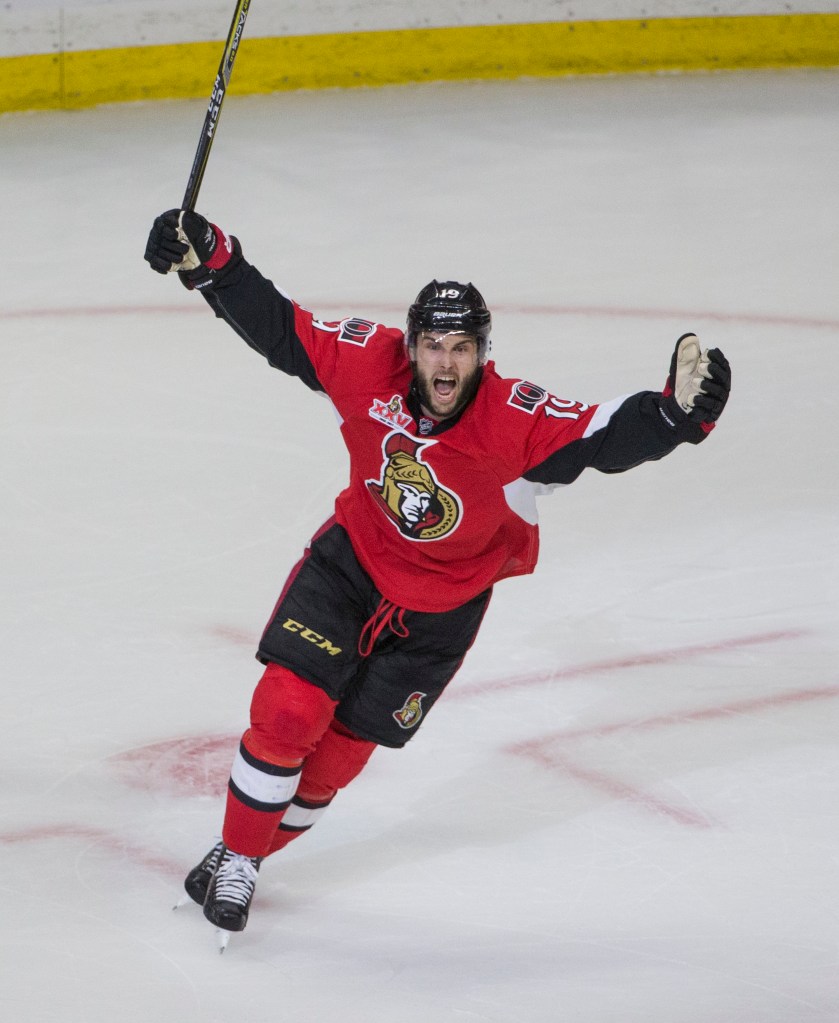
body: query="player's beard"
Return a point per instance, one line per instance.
(424, 386)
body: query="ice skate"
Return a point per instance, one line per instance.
(231, 890)
(197, 881)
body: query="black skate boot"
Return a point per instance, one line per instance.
(231, 890)
(197, 881)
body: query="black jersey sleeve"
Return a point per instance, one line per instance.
(627, 433)
(261, 315)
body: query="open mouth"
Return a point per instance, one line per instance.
(444, 388)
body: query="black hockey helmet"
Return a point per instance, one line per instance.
(451, 307)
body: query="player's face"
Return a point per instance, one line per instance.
(445, 369)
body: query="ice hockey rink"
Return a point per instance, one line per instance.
(626, 807)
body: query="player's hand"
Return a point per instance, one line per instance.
(183, 240)
(165, 249)
(699, 381)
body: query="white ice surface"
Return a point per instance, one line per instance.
(626, 809)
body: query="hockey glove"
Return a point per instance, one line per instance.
(184, 241)
(699, 380)
(164, 249)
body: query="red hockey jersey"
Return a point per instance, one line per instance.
(437, 513)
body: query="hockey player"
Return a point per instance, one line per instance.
(445, 459)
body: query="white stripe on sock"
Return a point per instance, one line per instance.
(301, 816)
(274, 789)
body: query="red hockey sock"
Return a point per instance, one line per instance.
(258, 794)
(288, 717)
(339, 757)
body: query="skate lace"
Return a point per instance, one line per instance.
(211, 860)
(235, 879)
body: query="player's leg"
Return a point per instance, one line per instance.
(338, 758)
(310, 647)
(384, 706)
(288, 717)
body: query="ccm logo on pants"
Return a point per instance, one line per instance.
(312, 637)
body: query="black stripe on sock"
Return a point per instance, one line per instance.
(256, 804)
(307, 804)
(262, 765)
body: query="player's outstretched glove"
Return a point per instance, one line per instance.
(184, 241)
(699, 380)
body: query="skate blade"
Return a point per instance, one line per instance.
(184, 900)
(222, 937)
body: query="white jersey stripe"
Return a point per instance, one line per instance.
(603, 414)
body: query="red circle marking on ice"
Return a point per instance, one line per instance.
(197, 765)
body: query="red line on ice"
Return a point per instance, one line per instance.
(613, 787)
(547, 749)
(236, 636)
(727, 710)
(98, 837)
(684, 653)
(757, 319)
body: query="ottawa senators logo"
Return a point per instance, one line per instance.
(352, 330)
(409, 714)
(409, 494)
(391, 414)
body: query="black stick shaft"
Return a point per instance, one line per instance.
(208, 132)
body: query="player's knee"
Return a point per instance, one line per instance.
(288, 716)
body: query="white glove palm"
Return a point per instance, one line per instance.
(700, 379)
(691, 370)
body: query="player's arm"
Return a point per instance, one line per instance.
(649, 425)
(209, 261)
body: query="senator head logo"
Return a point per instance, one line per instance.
(409, 494)
(410, 713)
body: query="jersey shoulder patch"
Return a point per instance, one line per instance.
(353, 330)
(531, 400)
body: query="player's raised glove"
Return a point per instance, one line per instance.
(184, 241)
(699, 381)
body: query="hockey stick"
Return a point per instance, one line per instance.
(202, 154)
